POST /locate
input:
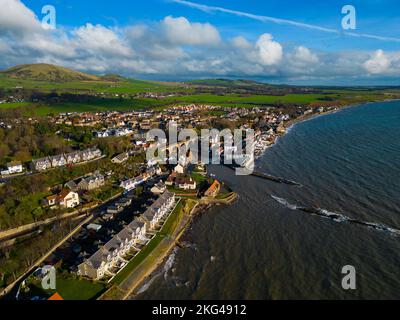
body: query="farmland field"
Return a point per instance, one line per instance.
(129, 86)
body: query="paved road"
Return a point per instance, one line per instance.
(12, 289)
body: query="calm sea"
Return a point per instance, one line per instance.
(263, 247)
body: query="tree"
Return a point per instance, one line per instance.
(4, 152)
(23, 155)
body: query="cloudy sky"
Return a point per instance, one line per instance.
(279, 41)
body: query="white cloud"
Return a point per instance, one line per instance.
(16, 18)
(182, 32)
(270, 51)
(136, 32)
(378, 63)
(303, 55)
(4, 48)
(44, 44)
(175, 47)
(241, 43)
(101, 39)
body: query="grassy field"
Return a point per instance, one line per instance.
(70, 289)
(106, 104)
(79, 289)
(132, 86)
(15, 105)
(127, 86)
(97, 105)
(252, 100)
(94, 105)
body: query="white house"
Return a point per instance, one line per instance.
(51, 200)
(185, 183)
(73, 157)
(158, 188)
(41, 164)
(122, 157)
(13, 168)
(102, 134)
(159, 209)
(68, 199)
(111, 255)
(58, 161)
(90, 154)
(179, 168)
(128, 185)
(91, 182)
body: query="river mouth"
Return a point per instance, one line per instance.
(261, 248)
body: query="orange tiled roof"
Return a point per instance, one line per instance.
(55, 296)
(52, 197)
(214, 186)
(64, 193)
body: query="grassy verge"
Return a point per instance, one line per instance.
(181, 192)
(199, 178)
(223, 195)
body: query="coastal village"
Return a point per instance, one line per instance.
(268, 122)
(198, 150)
(124, 204)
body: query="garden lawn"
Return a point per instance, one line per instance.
(71, 289)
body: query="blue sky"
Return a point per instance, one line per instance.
(288, 53)
(378, 17)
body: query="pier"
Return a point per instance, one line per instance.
(270, 177)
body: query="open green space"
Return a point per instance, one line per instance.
(97, 104)
(70, 289)
(15, 105)
(128, 86)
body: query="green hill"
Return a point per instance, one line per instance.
(47, 72)
(229, 83)
(112, 78)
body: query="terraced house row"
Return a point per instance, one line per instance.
(61, 160)
(131, 184)
(110, 257)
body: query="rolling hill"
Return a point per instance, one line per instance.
(47, 72)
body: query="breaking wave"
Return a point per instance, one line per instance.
(164, 271)
(337, 217)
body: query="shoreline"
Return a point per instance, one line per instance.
(133, 293)
(199, 209)
(203, 208)
(128, 288)
(290, 124)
